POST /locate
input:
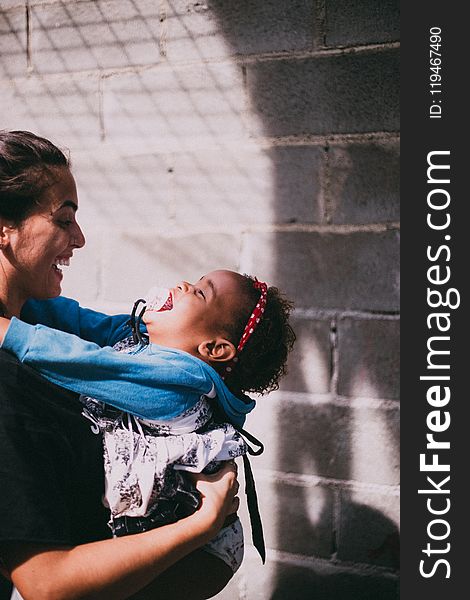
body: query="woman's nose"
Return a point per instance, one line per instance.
(78, 239)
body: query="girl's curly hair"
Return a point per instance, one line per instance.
(262, 362)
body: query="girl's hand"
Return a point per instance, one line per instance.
(4, 324)
(219, 495)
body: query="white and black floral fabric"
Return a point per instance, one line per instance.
(144, 461)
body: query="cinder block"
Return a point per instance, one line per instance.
(296, 519)
(218, 28)
(301, 437)
(94, 35)
(13, 106)
(361, 22)
(372, 443)
(215, 188)
(343, 94)
(321, 581)
(369, 358)
(369, 529)
(118, 192)
(134, 262)
(64, 112)
(309, 364)
(204, 189)
(363, 183)
(325, 583)
(295, 173)
(357, 270)
(327, 440)
(246, 185)
(12, 42)
(168, 111)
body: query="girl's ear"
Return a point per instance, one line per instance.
(218, 350)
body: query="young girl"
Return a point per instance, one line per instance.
(209, 344)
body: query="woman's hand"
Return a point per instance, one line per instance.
(4, 324)
(219, 496)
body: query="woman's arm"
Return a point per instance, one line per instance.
(151, 385)
(117, 568)
(4, 324)
(67, 315)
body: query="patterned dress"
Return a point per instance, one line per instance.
(145, 463)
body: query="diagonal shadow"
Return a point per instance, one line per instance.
(316, 439)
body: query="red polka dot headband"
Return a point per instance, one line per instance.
(253, 321)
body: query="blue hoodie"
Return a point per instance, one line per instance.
(154, 382)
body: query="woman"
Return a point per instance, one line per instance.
(54, 541)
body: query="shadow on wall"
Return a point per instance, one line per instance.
(326, 440)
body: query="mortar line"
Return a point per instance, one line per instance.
(163, 28)
(309, 313)
(29, 32)
(308, 481)
(52, 2)
(309, 562)
(337, 400)
(336, 519)
(334, 355)
(323, 228)
(323, 175)
(101, 120)
(243, 228)
(21, 4)
(229, 60)
(330, 138)
(256, 142)
(319, 35)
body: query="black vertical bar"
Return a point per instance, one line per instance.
(434, 122)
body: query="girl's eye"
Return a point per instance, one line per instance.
(201, 293)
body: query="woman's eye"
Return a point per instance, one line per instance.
(65, 223)
(201, 293)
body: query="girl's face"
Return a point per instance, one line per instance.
(44, 240)
(200, 312)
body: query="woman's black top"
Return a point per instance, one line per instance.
(51, 465)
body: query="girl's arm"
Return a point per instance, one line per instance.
(158, 384)
(67, 315)
(114, 569)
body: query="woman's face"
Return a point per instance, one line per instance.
(46, 239)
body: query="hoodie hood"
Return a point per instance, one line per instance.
(235, 408)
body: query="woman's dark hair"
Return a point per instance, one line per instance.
(27, 164)
(262, 362)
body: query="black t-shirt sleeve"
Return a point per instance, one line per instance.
(51, 471)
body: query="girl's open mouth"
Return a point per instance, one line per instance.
(168, 303)
(159, 299)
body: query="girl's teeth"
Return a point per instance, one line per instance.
(158, 299)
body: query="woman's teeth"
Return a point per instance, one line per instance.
(63, 262)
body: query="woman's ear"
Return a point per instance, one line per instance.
(3, 236)
(6, 228)
(218, 350)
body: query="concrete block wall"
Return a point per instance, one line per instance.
(261, 136)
